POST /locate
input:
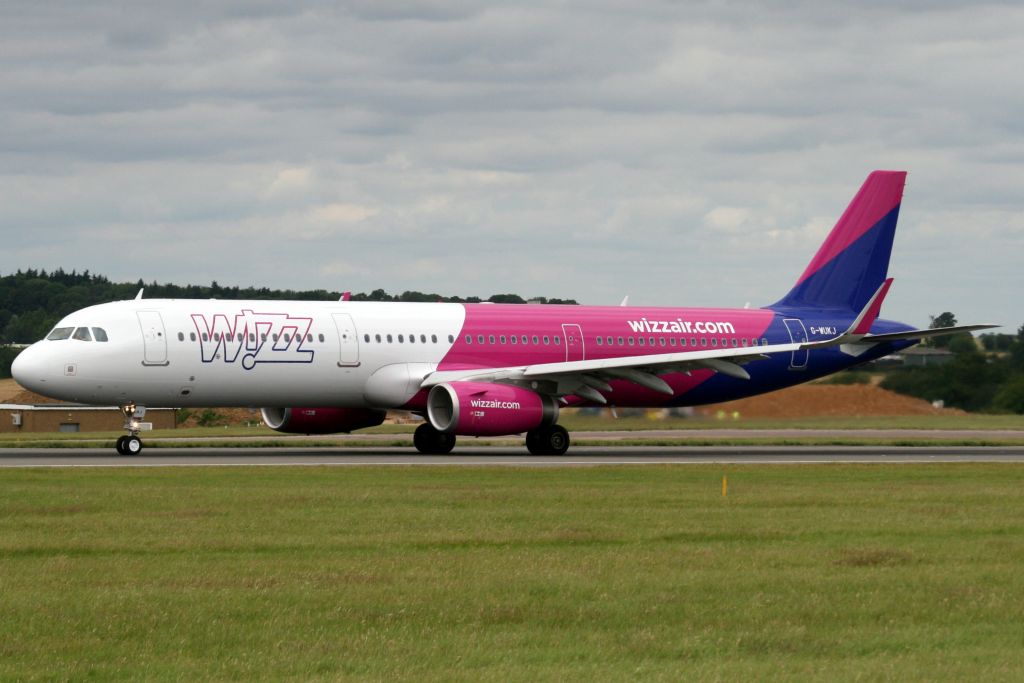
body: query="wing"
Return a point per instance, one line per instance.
(587, 378)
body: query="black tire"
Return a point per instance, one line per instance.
(120, 445)
(534, 442)
(429, 441)
(557, 440)
(132, 445)
(553, 440)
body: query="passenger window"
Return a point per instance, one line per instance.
(99, 334)
(181, 336)
(490, 339)
(764, 341)
(547, 340)
(744, 341)
(263, 337)
(192, 336)
(536, 340)
(366, 338)
(682, 341)
(631, 341)
(423, 339)
(469, 339)
(82, 334)
(400, 339)
(433, 339)
(451, 339)
(412, 338)
(663, 342)
(641, 341)
(672, 341)
(558, 340)
(600, 342)
(288, 338)
(60, 334)
(377, 337)
(252, 336)
(205, 337)
(389, 339)
(703, 341)
(652, 341)
(480, 339)
(503, 339)
(693, 341)
(523, 339)
(714, 341)
(620, 341)
(734, 343)
(515, 339)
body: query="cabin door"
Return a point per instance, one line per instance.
(573, 342)
(348, 340)
(798, 335)
(154, 338)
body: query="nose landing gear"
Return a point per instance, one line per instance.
(131, 444)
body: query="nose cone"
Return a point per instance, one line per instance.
(29, 369)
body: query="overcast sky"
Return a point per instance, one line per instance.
(682, 153)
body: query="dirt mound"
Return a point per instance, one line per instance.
(829, 400)
(8, 390)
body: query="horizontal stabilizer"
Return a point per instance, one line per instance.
(922, 334)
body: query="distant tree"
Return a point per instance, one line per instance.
(945, 319)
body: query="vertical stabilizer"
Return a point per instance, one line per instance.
(853, 262)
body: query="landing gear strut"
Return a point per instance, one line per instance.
(550, 440)
(430, 441)
(131, 444)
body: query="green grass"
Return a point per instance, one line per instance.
(909, 572)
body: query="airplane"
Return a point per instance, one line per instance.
(479, 369)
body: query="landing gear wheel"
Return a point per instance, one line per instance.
(553, 440)
(120, 445)
(132, 445)
(429, 441)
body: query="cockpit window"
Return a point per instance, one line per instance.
(99, 334)
(60, 333)
(82, 334)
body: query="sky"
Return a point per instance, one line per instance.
(681, 153)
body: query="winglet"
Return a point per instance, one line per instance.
(346, 296)
(139, 295)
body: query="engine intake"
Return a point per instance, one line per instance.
(321, 420)
(485, 409)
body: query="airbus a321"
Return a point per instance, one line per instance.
(479, 369)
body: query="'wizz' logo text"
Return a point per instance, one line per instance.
(253, 338)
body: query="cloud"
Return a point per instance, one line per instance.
(684, 154)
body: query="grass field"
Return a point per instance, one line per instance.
(910, 572)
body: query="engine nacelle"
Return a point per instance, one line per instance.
(483, 409)
(321, 420)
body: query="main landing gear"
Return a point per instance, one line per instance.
(430, 441)
(550, 440)
(131, 444)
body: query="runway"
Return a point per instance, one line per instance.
(582, 456)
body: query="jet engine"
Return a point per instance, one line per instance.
(485, 409)
(321, 420)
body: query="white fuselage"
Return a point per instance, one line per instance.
(244, 353)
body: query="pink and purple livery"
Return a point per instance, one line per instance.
(479, 370)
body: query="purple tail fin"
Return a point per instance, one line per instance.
(853, 261)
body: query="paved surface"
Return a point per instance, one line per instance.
(501, 456)
(682, 435)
